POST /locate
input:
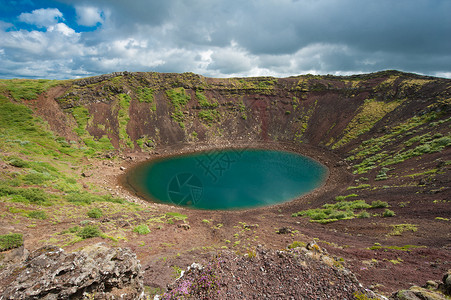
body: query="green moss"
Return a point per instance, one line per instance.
(303, 120)
(178, 99)
(82, 117)
(123, 118)
(369, 114)
(203, 101)
(209, 116)
(145, 94)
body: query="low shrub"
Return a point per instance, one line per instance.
(89, 231)
(32, 195)
(388, 213)
(341, 198)
(363, 215)
(142, 229)
(10, 241)
(37, 214)
(379, 204)
(95, 213)
(17, 162)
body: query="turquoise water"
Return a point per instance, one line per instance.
(227, 179)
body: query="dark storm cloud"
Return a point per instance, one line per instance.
(236, 38)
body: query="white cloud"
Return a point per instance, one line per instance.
(89, 16)
(229, 38)
(62, 28)
(42, 17)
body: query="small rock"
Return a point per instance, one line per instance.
(122, 168)
(87, 173)
(184, 226)
(284, 230)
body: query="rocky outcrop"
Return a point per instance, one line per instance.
(297, 273)
(97, 272)
(431, 291)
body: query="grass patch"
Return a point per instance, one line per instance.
(145, 94)
(399, 248)
(24, 89)
(142, 229)
(209, 116)
(178, 99)
(388, 213)
(401, 228)
(88, 198)
(203, 101)
(296, 244)
(361, 186)
(89, 231)
(369, 114)
(341, 198)
(95, 213)
(37, 214)
(10, 241)
(26, 195)
(176, 216)
(379, 204)
(123, 118)
(334, 212)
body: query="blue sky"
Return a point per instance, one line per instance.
(63, 39)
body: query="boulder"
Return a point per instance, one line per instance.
(96, 272)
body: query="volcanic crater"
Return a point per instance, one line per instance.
(383, 213)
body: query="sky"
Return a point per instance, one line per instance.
(63, 39)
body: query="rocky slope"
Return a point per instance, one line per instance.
(385, 138)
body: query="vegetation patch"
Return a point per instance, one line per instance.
(341, 198)
(10, 241)
(334, 212)
(361, 186)
(24, 89)
(401, 228)
(370, 113)
(142, 229)
(209, 116)
(37, 214)
(88, 198)
(203, 101)
(89, 231)
(27, 195)
(179, 99)
(145, 94)
(340, 211)
(95, 213)
(377, 246)
(123, 118)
